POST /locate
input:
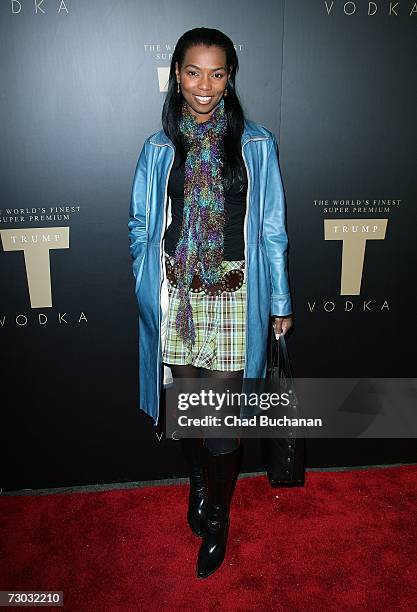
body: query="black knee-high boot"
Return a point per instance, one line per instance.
(221, 478)
(196, 456)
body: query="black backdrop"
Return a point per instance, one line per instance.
(82, 86)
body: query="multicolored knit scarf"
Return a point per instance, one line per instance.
(201, 238)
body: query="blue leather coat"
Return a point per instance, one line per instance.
(265, 254)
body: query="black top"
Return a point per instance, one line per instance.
(234, 207)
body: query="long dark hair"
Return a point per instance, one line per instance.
(233, 168)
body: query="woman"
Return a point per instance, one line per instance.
(208, 242)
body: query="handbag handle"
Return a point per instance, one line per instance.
(278, 350)
(286, 359)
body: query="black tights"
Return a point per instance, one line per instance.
(217, 446)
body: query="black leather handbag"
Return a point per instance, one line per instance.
(283, 458)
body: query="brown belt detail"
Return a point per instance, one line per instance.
(231, 281)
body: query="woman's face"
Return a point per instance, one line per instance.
(203, 78)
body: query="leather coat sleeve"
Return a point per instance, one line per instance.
(138, 210)
(275, 236)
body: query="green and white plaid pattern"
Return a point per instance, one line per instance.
(219, 322)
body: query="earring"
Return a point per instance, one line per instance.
(225, 92)
(178, 87)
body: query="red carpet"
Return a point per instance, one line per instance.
(346, 541)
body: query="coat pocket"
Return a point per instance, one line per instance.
(138, 264)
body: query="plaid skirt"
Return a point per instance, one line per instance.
(219, 322)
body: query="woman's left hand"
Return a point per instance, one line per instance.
(282, 325)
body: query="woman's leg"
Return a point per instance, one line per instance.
(219, 446)
(184, 371)
(221, 477)
(196, 457)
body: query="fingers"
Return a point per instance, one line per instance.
(281, 326)
(278, 327)
(277, 323)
